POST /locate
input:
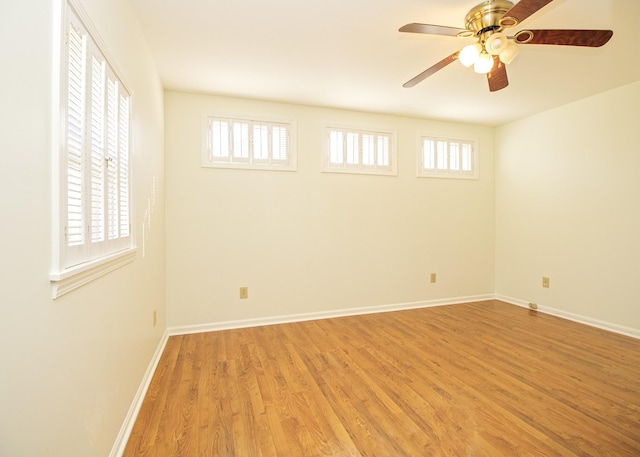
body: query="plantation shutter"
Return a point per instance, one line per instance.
(112, 159)
(95, 169)
(335, 147)
(123, 164)
(467, 157)
(240, 134)
(279, 140)
(442, 157)
(218, 140)
(454, 156)
(352, 148)
(75, 134)
(428, 155)
(98, 77)
(260, 138)
(368, 149)
(247, 143)
(383, 151)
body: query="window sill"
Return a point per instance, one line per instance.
(360, 171)
(448, 175)
(72, 278)
(249, 166)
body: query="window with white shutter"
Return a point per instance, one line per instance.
(94, 209)
(248, 143)
(447, 158)
(359, 151)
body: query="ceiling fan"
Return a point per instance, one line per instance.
(493, 49)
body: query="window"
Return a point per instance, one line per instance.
(244, 143)
(359, 151)
(447, 158)
(94, 207)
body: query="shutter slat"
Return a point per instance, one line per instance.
(76, 94)
(112, 151)
(97, 149)
(123, 166)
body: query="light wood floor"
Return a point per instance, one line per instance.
(480, 379)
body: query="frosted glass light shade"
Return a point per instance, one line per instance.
(469, 54)
(496, 43)
(484, 64)
(510, 53)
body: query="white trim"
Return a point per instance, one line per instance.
(247, 166)
(79, 275)
(604, 325)
(125, 431)
(284, 319)
(357, 171)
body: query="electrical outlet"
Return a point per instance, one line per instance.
(432, 278)
(533, 306)
(545, 282)
(244, 293)
(155, 317)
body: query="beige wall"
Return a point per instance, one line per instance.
(568, 207)
(69, 368)
(308, 241)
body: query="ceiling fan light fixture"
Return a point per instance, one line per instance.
(469, 54)
(484, 64)
(496, 43)
(510, 53)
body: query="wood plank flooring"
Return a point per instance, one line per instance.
(477, 379)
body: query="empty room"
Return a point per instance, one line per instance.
(362, 228)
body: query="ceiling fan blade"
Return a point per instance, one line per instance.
(497, 77)
(525, 8)
(431, 70)
(431, 29)
(590, 38)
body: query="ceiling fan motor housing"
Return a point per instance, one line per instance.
(486, 16)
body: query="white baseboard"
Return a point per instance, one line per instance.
(244, 323)
(125, 431)
(621, 329)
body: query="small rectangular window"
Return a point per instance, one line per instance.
(359, 151)
(246, 143)
(447, 158)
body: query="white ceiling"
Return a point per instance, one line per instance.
(349, 54)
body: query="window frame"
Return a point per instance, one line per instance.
(347, 164)
(447, 172)
(101, 163)
(250, 160)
